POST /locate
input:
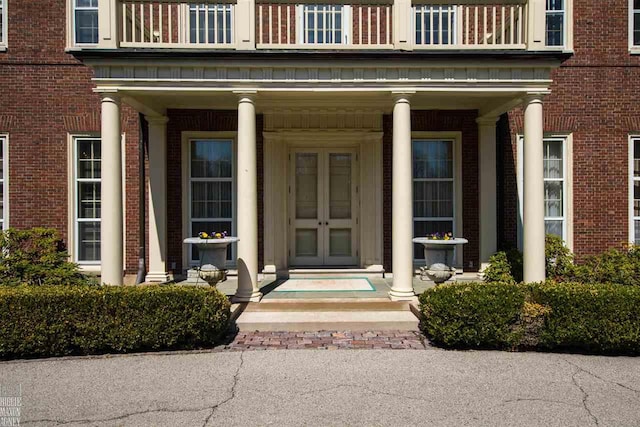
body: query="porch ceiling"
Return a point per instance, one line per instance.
(487, 103)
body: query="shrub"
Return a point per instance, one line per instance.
(41, 321)
(614, 266)
(472, 314)
(36, 257)
(558, 258)
(590, 318)
(593, 318)
(499, 269)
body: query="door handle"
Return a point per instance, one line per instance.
(326, 223)
(320, 223)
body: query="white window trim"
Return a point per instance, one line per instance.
(456, 137)
(346, 24)
(187, 137)
(5, 25)
(632, 179)
(72, 20)
(564, 24)
(4, 139)
(567, 164)
(633, 49)
(88, 267)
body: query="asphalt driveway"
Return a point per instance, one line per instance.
(324, 387)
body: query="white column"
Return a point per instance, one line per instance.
(533, 198)
(245, 23)
(108, 19)
(158, 271)
(488, 199)
(402, 202)
(111, 226)
(248, 289)
(401, 26)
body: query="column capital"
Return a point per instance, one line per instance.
(246, 95)
(534, 97)
(109, 95)
(402, 96)
(156, 120)
(487, 120)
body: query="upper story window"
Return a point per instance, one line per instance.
(210, 23)
(3, 23)
(555, 22)
(435, 24)
(85, 21)
(323, 24)
(634, 24)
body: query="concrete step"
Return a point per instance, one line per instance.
(302, 273)
(325, 316)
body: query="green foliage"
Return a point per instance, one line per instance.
(614, 266)
(590, 318)
(499, 269)
(472, 314)
(594, 318)
(36, 257)
(558, 259)
(41, 321)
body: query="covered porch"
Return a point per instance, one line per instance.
(326, 114)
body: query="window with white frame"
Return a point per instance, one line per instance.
(434, 25)
(87, 175)
(4, 173)
(210, 23)
(635, 199)
(323, 24)
(3, 22)
(433, 189)
(554, 187)
(634, 24)
(555, 22)
(85, 21)
(211, 189)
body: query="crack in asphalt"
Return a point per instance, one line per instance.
(232, 391)
(586, 371)
(358, 386)
(150, 411)
(585, 397)
(532, 399)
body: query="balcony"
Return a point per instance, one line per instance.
(374, 24)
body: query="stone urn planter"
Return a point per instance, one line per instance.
(439, 256)
(213, 257)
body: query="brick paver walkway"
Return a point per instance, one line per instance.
(328, 340)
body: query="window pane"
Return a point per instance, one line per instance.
(212, 199)
(209, 227)
(553, 167)
(306, 242)
(89, 241)
(636, 198)
(636, 28)
(432, 199)
(553, 227)
(88, 200)
(1, 201)
(323, 24)
(636, 158)
(211, 159)
(306, 185)
(553, 199)
(424, 228)
(340, 242)
(86, 3)
(555, 29)
(87, 26)
(555, 5)
(636, 4)
(432, 159)
(637, 227)
(339, 185)
(89, 155)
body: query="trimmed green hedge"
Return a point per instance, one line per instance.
(553, 316)
(46, 321)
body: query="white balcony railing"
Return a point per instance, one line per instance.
(284, 24)
(468, 26)
(168, 24)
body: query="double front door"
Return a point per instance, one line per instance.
(324, 203)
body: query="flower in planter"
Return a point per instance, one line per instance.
(212, 235)
(440, 236)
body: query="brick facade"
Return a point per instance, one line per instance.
(595, 96)
(46, 94)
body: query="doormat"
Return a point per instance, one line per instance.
(341, 284)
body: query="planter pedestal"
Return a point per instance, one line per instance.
(439, 256)
(213, 259)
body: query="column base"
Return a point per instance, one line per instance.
(158, 277)
(254, 297)
(402, 295)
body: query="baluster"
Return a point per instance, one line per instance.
(520, 24)
(288, 9)
(466, 25)
(493, 28)
(502, 29)
(484, 25)
(476, 30)
(270, 23)
(511, 26)
(387, 11)
(151, 23)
